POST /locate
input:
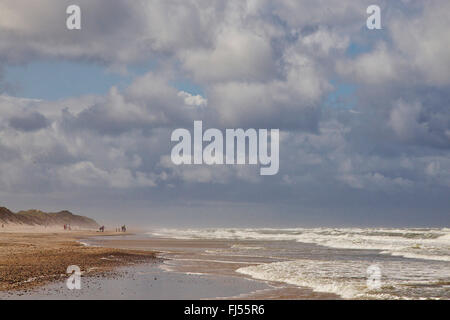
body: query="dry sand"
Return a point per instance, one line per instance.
(33, 256)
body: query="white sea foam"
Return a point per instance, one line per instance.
(347, 278)
(408, 243)
(321, 276)
(428, 244)
(425, 274)
(85, 244)
(242, 247)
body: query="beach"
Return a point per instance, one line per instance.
(34, 256)
(308, 263)
(225, 263)
(33, 263)
(215, 260)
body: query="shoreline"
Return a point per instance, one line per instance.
(33, 265)
(141, 266)
(197, 257)
(298, 270)
(36, 257)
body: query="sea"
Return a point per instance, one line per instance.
(352, 263)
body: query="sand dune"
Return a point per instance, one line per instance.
(40, 218)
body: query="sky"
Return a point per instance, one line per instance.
(86, 115)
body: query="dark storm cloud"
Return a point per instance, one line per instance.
(29, 122)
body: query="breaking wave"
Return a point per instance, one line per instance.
(418, 243)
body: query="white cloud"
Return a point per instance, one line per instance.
(404, 120)
(193, 100)
(423, 41)
(235, 55)
(376, 67)
(323, 41)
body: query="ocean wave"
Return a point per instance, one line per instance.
(348, 279)
(417, 243)
(426, 244)
(345, 280)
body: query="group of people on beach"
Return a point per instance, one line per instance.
(119, 229)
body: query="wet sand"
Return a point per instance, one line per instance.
(143, 282)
